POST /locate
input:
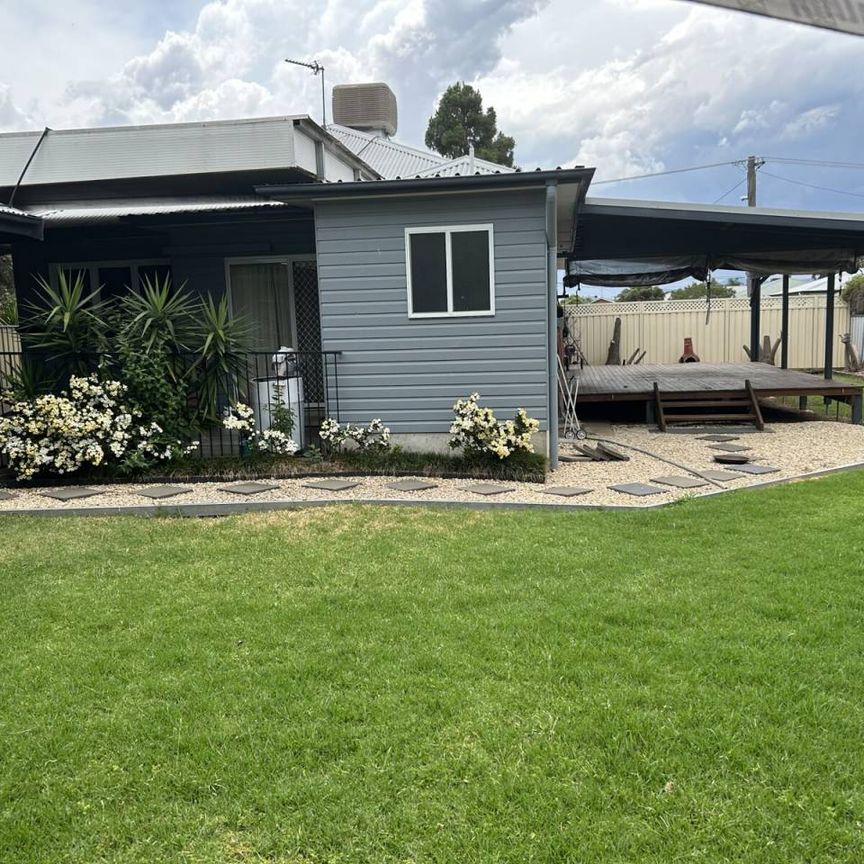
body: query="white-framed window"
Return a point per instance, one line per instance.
(451, 271)
(114, 278)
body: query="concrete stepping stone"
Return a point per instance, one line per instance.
(248, 488)
(411, 485)
(487, 489)
(70, 494)
(717, 438)
(729, 448)
(637, 489)
(679, 481)
(334, 485)
(566, 491)
(720, 476)
(570, 457)
(5, 496)
(750, 468)
(158, 492)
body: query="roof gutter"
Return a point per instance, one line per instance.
(424, 185)
(21, 224)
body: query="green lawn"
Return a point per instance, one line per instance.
(374, 685)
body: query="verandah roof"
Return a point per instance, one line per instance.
(619, 243)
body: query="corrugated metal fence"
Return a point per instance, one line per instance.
(659, 327)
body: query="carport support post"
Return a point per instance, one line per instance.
(829, 327)
(755, 308)
(552, 314)
(784, 325)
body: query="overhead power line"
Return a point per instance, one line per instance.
(811, 185)
(821, 163)
(664, 173)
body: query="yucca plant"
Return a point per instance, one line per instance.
(221, 340)
(66, 321)
(159, 314)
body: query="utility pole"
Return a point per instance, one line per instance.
(754, 282)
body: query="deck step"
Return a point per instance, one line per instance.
(673, 408)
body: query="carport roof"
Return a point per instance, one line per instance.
(623, 242)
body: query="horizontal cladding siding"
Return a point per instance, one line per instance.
(409, 372)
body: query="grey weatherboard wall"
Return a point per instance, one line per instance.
(409, 372)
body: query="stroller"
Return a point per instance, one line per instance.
(569, 391)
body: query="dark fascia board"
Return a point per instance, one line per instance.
(426, 185)
(21, 225)
(663, 210)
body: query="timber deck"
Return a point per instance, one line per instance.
(690, 380)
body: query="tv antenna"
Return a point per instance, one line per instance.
(316, 67)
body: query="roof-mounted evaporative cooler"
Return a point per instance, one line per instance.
(368, 107)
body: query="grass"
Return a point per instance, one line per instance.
(831, 410)
(388, 685)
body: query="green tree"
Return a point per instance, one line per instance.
(640, 292)
(853, 294)
(699, 290)
(460, 121)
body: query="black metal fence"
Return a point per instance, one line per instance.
(308, 382)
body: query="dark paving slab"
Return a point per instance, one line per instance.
(729, 448)
(487, 489)
(248, 488)
(679, 481)
(159, 492)
(71, 493)
(566, 491)
(334, 485)
(720, 476)
(750, 468)
(637, 489)
(718, 437)
(731, 458)
(411, 485)
(570, 457)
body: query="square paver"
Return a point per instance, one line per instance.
(163, 491)
(720, 476)
(71, 493)
(638, 489)
(411, 485)
(487, 489)
(5, 496)
(717, 438)
(566, 491)
(248, 488)
(750, 468)
(679, 481)
(333, 485)
(729, 448)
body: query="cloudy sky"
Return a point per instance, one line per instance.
(628, 86)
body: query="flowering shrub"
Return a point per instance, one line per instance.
(241, 418)
(375, 436)
(477, 431)
(86, 425)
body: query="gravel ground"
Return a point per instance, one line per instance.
(794, 448)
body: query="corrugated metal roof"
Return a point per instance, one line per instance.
(392, 159)
(5, 210)
(82, 212)
(18, 223)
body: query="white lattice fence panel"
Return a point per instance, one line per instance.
(659, 327)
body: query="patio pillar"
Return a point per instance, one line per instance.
(784, 325)
(755, 284)
(829, 327)
(552, 314)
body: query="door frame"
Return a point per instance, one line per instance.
(288, 261)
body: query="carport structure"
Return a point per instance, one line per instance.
(621, 243)
(17, 223)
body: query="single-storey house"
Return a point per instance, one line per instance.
(424, 278)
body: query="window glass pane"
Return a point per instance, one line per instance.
(114, 282)
(470, 255)
(154, 273)
(428, 273)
